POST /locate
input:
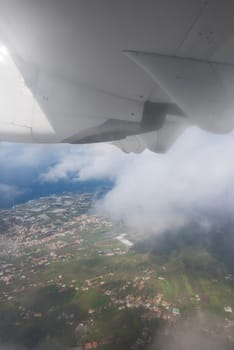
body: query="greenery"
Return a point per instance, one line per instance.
(99, 291)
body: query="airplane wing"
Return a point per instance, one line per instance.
(134, 72)
(156, 141)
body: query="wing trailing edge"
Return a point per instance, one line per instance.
(203, 90)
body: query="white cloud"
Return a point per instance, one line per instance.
(24, 155)
(151, 191)
(157, 191)
(86, 163)
(9, 191)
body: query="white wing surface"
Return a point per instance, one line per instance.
(130, 71)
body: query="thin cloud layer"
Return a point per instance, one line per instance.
(151, 191)
(85, 163)
(9, 192)
(155, 192)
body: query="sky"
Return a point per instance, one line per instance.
(149, 191)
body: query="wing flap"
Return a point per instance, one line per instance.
(164, 138)
(158, 141)
(202, 89)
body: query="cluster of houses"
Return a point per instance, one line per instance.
(48, 230)
(39, 233)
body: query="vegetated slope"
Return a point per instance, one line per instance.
(212, 234)
(67, 281)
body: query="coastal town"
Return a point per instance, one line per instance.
(62, 262)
